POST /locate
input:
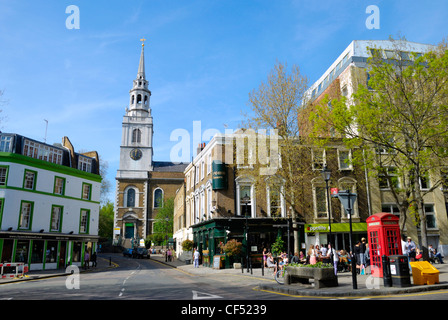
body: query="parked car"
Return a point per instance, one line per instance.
(141, 253)
(127, 253)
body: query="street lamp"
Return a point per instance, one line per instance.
(326, 174)
(348, 200)
(246, 200)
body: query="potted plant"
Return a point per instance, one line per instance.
(278, 246)
(233, 249)
(187, 247)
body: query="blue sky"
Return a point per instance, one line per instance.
(203, 57)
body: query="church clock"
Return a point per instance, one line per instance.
(136, 154)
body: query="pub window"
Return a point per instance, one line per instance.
(30, 180)
(86, 191)
(59, 185)
(56, 218)
(84, 221)
(26, 211)
(3, 175)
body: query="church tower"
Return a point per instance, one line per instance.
(143, 185)
(136, 150)
(136, 158)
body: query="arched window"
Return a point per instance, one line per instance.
(136, 135)
(130, 199)
(158, 198)
(139, 98)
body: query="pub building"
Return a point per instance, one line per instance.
(216, 205)
(49, 202)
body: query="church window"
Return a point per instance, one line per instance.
(158, 198)
(139, 98)
(136, 135)
(130, 198)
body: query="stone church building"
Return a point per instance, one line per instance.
(142, 184)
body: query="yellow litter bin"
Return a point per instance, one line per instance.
(424, 273)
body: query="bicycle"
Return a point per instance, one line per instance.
(279, 276)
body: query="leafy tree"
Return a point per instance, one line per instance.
(106, 220)
(163, 224)
(275, 108)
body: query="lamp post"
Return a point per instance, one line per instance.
(326, 174)
(348, 199)
(246, 200)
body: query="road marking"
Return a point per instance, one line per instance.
(203, 295)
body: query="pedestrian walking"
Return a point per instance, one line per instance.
(86, 259)
(196, 258)
(93, 259)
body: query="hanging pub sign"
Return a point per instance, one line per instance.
(219, 175)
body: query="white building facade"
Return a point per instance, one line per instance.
(49, 203)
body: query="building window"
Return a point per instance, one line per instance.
(136, 135)
(29, 181)
(431, 222)
(84, 164)
(388, 179)
(275, 201)
(202, 169)
(245, 200)
(209, 164)
(425, 182)
(320, 202)
(37, 251)
(22, 251)
(130, 198)
(197, 174)
(390, 208)
(3, 176)
(349, 184)
(5, 144)
(345, 160)
(84, 221)
(318, 159)
(59, 185)
(56, 218)
(158, 198)
(42, 152)
(86, 191)
(26, 213)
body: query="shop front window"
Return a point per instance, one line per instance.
(37, 254)
(22, 251)
(77, 251)
(52, 252)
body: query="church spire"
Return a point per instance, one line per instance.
(140, 94)
(141, 66)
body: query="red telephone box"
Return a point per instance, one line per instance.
(383, 232)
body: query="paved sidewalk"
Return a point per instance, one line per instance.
(366, 284)
(104, 262)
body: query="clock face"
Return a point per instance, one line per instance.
(136, 154)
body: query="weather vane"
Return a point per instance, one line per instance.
(143, 41)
